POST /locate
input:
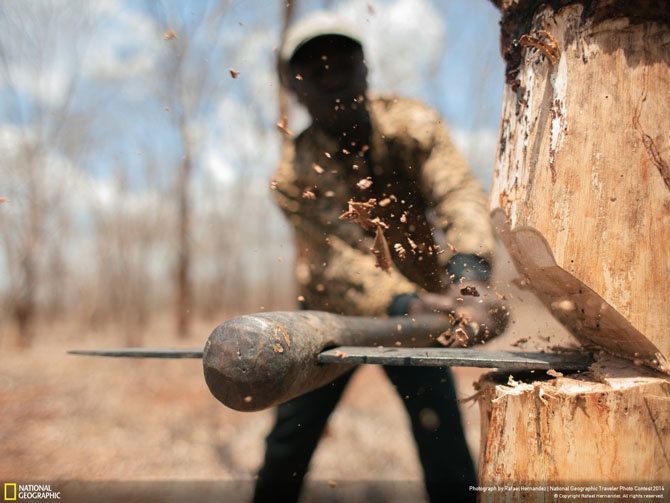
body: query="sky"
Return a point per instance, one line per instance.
(89, 83)
(443, 52)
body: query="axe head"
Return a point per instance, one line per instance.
(589, 317)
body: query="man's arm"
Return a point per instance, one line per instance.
(461, 213)
(460, 203)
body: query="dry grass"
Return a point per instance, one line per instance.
(72, 418)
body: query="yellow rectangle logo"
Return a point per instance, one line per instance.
(10, 491)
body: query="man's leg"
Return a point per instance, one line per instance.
(430, 398)
(292, 441)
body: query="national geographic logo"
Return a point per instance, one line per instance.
(10, 491)
(29, 492)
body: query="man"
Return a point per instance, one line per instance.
(388, 165)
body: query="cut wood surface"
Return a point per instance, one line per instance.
(572, 431)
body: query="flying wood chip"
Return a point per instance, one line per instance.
(380, 249)
(361, 213)
(282, 126)
(364, 183)
(169, 34)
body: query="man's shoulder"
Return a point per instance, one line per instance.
(408, 118)
(394, 105)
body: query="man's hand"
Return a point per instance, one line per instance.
(478, 313)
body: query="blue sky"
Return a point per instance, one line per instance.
(443, 52)
(89, 84)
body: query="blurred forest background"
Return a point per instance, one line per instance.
(138, 140)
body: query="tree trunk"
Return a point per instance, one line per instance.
(582, 182)
(184, 303)
(545, 441)
(584, 154)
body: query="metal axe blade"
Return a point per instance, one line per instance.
(167, 353)
(457, 357)
(422, 357)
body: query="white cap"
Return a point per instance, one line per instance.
(316, 25)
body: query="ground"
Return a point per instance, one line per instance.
(72, 419)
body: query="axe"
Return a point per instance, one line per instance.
(256, 361)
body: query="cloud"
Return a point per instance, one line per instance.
(403, 41)
(479, 148)
(126, 45)
(216, 165)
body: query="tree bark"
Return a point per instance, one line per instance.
(582, 186)
(584, 153)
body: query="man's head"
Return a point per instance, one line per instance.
(323, 65)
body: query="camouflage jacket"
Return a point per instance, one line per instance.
(426, 197)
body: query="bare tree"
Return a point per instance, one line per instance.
(187, 83)
(41, 72)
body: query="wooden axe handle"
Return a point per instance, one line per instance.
(253, 362)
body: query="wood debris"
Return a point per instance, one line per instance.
(380, 249)
(446, 338)
(544, 42)
(170, 34)
(282, 126)
(470, 290)
(364, 183)
(400, 250)
(361, 213)
(554, 373)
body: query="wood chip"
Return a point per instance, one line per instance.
(380, 249)
(470, 290)
(170, 34)
(554, 373)
(544, 42)
(361, 213)
(282, 127)
(364, 183)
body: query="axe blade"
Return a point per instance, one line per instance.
(424, 357)
(458, 357)
(165, 353)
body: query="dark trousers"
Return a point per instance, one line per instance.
(443, 451)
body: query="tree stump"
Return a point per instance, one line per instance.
(582, 186)
(547, 440)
